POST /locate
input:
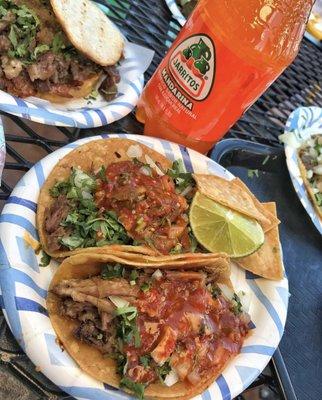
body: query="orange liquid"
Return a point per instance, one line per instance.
(253, 42)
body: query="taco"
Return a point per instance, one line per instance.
(119, 192)
(156, 334)
(58, 50)
(310, 164)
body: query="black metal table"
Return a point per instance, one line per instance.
(149, 23)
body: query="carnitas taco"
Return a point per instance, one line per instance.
(310, 164)
(158, 334)
(58, 50)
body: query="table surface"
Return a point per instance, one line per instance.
(300, 84)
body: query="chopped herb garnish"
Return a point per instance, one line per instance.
(101, 174)
(129, 312)
(145, 287)
(215, 292)
(177, 249)
(45, 259)
(136, 388)
(237, 307)
(252, 172)
(182, 179)
(88, 228)
(133, 275)
(163, 371)
(145, 360)
(113, 271)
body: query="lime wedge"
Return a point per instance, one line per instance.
(220, 229)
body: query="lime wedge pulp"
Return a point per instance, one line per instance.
(220, 229)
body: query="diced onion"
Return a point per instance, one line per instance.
(157, 274)
(134, 151)
(226, 291)
(145, 170)
(86, 195)
(309, 174)
(153, 165)
(186, 191)
(245, 299)
(317, 169)
(119, 302)
(171, 378)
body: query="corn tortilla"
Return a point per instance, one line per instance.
(230, 194)
(89, 358)
(267, 261)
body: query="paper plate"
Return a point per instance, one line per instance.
(88, 113)
(176, 12)
(303, 122)
(24, 288)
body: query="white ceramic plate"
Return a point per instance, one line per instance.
(24, 287)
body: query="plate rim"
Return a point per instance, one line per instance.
(226, 389)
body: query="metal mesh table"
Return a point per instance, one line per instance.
(148, 23)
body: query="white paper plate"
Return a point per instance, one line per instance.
(303, 122)
(24, 288)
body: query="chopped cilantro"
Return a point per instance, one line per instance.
(58, 43)
(45, 259)
(88, 228)
(113, 271)
(182, 179)
(177, 249)
(145, 287)
(136, 388)
(193, 242)
(215, 292)
(129, 313)
(42, 48)
(252, 172)
(145, 360)
(237, 307)
(163, 371)
(133, 275)
(318, 197)
(101, 174)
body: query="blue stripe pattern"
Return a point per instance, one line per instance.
(224, 388)
(20, 221)
(258, 349)
(268, 305)
(22, 202)
(30, 305)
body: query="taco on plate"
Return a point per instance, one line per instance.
(310, 164)
(118, 192)
(58, 50)
(161, 334)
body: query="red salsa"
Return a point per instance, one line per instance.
(182, 324)
(146, 204)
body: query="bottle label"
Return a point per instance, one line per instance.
(192, 66)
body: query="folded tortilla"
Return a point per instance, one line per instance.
(91, 157)
(90, 359)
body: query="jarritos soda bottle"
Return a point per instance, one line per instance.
(224, 58)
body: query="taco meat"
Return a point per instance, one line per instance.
(37, 57)
(146, 204)
(174, 323)
(127, 203)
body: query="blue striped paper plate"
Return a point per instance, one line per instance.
(24, 288)
(176, 12)
(88, 114)
(303, 122)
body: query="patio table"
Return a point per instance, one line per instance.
(149, 23)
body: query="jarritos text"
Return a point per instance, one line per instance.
(192, 67)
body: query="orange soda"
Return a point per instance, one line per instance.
(228, 53)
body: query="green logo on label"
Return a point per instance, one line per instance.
(193, 66)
